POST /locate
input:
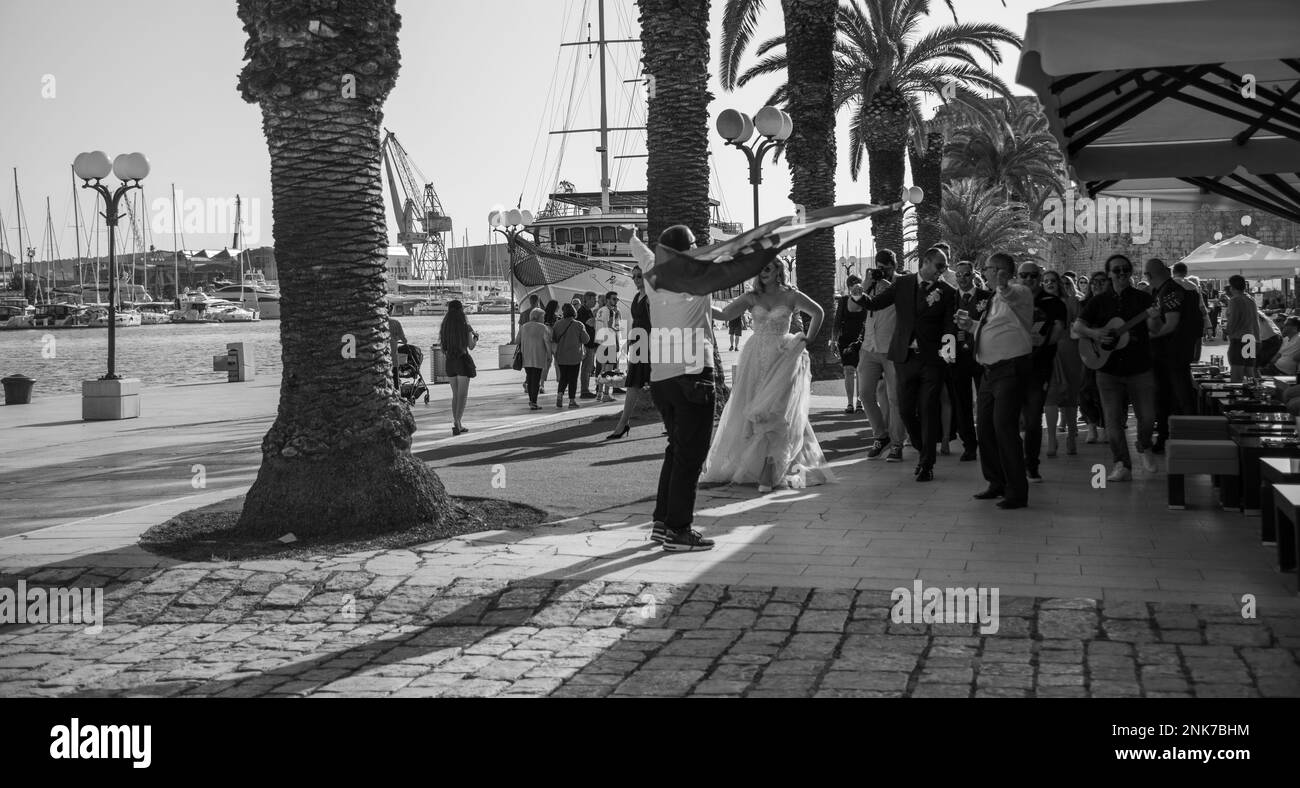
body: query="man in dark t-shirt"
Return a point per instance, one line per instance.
(1174, 337)
(1048, 326)
(1126, 377)
(587, 316)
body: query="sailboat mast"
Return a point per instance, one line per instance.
(18, 202)
(76, 225)
(176, 250)
(49, 250)
(604, 119)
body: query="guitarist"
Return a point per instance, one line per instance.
(1126, 378)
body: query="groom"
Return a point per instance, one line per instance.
(924, 343)
(678, 290)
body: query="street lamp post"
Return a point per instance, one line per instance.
(131, 169)
(510, 223)
(773, 125)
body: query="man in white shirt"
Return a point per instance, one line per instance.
(678, 290)
(607, 329)
(1002, 347)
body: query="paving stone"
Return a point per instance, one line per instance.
(732, 618)
(1237, 634)
(822, 620)
(660, 683)
(1067, 623)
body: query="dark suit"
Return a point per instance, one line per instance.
(965, 375)
(924, 320)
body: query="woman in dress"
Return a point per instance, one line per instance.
(764, 436)
(849, 317)
(1067, 375)
(457, 340)
(638, 355)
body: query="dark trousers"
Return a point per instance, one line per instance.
(687, 411)
(920, 384)
(1000, 402)
(1175, 392)
(1090, 399)
(568, 379)
(964, 378)
(1032, 410)
(533, 379)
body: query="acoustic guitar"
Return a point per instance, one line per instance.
(1095, 353)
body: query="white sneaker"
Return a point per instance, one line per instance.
(1148, 461)
(1120, 473)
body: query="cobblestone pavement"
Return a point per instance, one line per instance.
(393, 624)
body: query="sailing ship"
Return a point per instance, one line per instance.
(573, 246)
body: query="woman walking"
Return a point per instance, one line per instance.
(535, 345)
(638, 355)
(549, 316)
(1067, 374)
(457, 340)
(849, 317)
(569, 336)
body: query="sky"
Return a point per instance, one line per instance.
(478, 91)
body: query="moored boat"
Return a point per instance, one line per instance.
(13, 316)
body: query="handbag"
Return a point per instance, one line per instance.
(518, 363)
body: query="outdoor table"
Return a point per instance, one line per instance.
(1252, 444)
(1286, 500)
(1248, 417)
(1274, 471)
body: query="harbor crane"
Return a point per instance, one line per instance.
(420, 220)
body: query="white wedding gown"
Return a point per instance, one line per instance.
(767, 415)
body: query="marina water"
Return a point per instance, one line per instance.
(175, 353)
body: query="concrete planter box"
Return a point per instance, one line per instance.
(110, 400)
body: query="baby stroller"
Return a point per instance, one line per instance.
(410, 383)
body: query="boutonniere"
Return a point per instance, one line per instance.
(933, 298)
(981, 305)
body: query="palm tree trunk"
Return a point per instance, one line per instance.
(675, 51)
(885, 170)
(810, 31)
(926, 171)
(338, 457)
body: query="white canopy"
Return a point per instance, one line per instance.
(1243, 255)
(1200, 92)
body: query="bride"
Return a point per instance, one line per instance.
(764, 436)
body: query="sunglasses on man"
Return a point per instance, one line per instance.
(1029, 274)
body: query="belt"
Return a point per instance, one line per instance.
(1003, 362)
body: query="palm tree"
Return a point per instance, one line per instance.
(675, 51)
(976, 220)
(882, 72)
(1013, 149)
(811, 148)
(925, 154)
(338, 457)
(810, 27)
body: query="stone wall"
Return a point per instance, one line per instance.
(1174, 235)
